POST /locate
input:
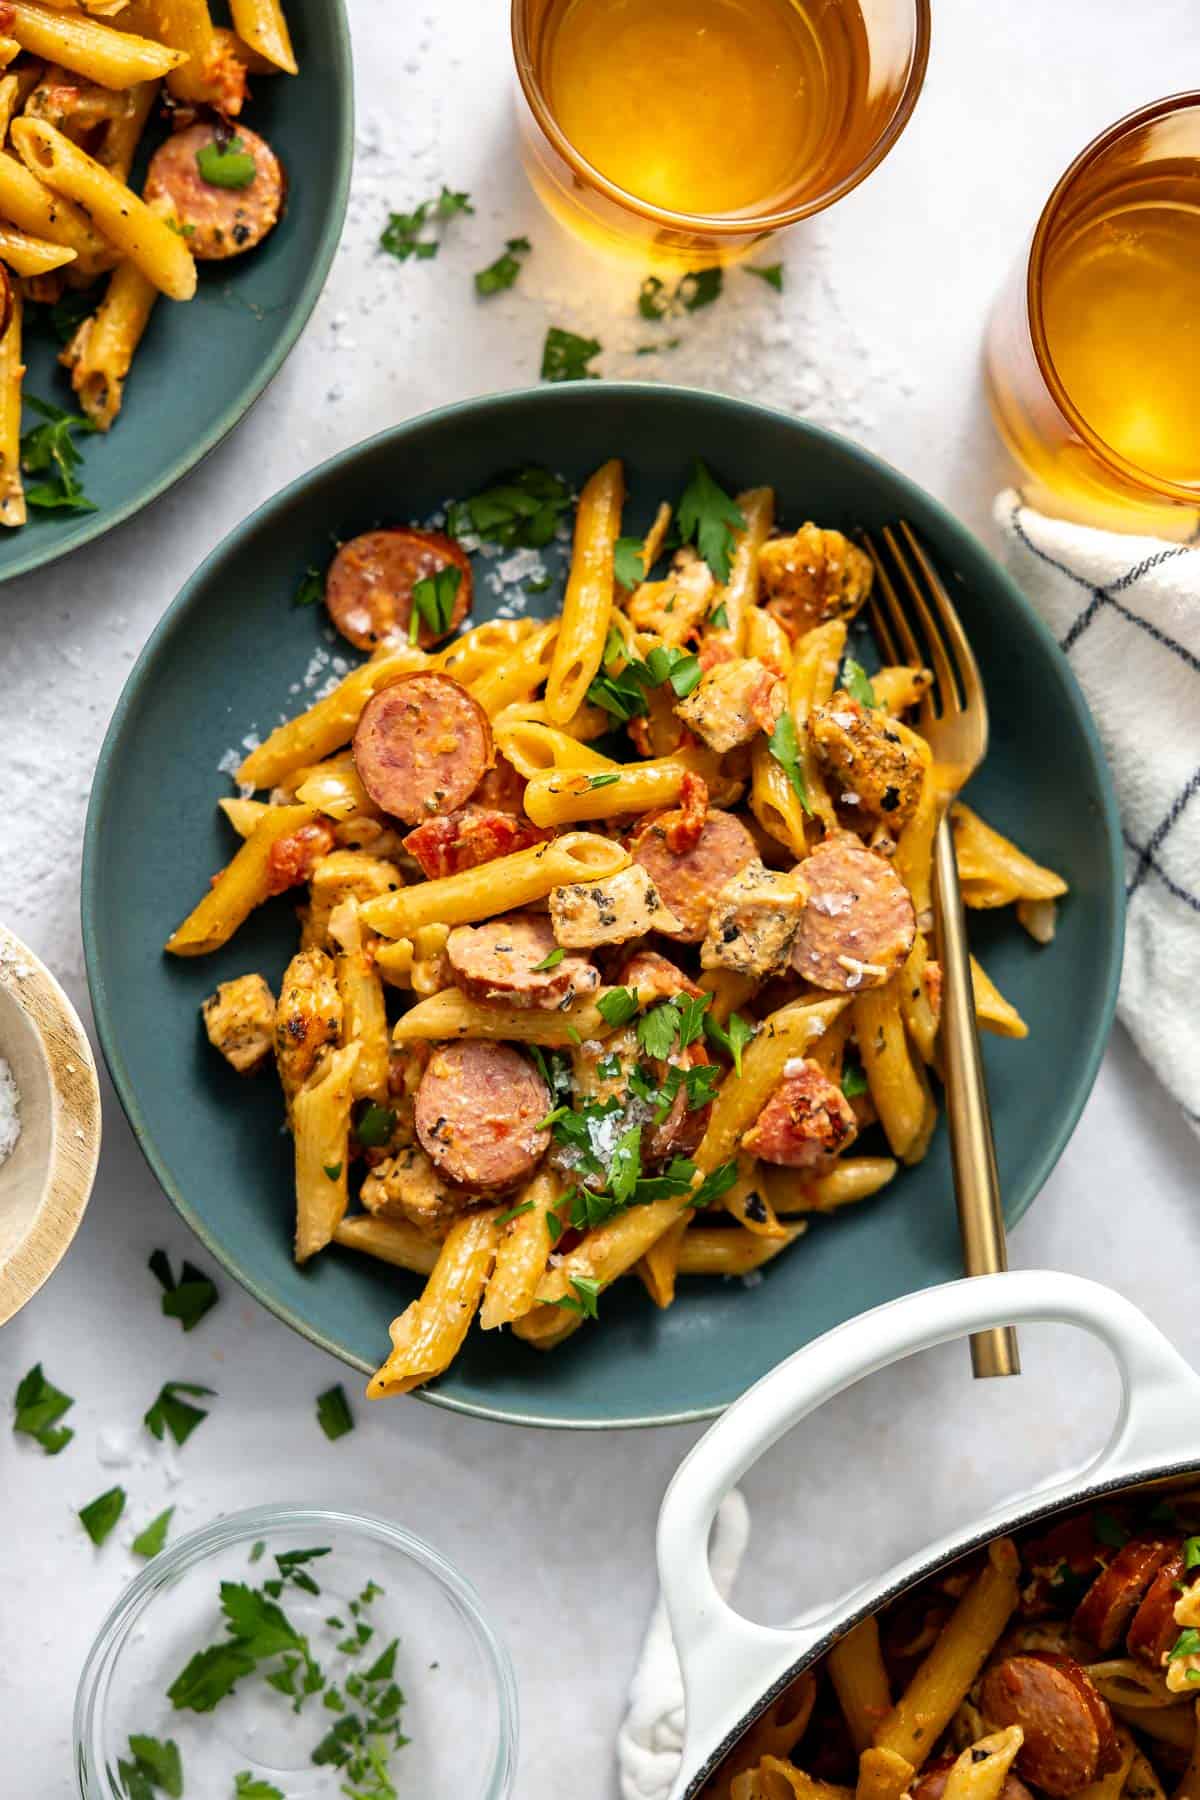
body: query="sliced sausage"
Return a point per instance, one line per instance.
(421, 746)
(688, 881)
(1070, 1740)
(655, 977)
(476, 1112)
(216, 221)
(680, 1132)
(1106, 1611)
(859, 923)
(499, 961)
(368, 590)
(806, 1121)
(465, 839)
(931, 1783)
(1057, 1562)
(1154, 1631)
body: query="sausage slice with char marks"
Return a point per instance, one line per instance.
(859, 924)
(1107, 1609)
(1154, 1631)
(421, 746)
(498, 961)
(688, 882)
(806, 1121)
(217, 222)
(1070, 1739)
(476, 1111)
(368, 590)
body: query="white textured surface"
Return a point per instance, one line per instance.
(878, 333)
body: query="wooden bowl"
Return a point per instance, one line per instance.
(45, 1183)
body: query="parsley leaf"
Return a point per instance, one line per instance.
(258, 1630)
(708, 517)
(629, 561)
(554, 1067)
(785, 748)
(100, 1515)
(566, 355)
(587, 1292)
(1186, 1644)
(857, 683)
(187, 1299)
(333, 1412)
(854, 1080)
(170, 1413)
(226, 166)
(622, 684)
(691, 1012)
(403, 237)
(732, 1037)
(155, 1765)
(520, 512)
(1191, 1553)
(37, 1408)
(626, 1165)
(604, 779)
(653, 298)
(714, 1185)
(701, 1084)
(433, 601)
(718, 618)
(551, 960)
(657, 1030)
(151, 1538)
(50, 449)
(312, 588)
(699, 287)
(333, 1171)
(375, 1126)
(771, 273)
(504, 271)
(515, 1212)
(617, 1005)
(249, 1787)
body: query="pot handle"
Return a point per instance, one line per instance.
(726, 1658)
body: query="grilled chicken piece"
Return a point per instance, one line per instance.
(308, 1017)
(812, 576)
(344, 875)
(240, 1019)
(733, 702)
(407, 1186)
(870, 767)
(753, 921)
(613, 911)
(675, 608)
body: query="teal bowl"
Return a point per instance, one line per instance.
(203, 364)
(224, 659)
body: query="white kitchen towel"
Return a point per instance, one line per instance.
(1126, 611)
(650, 1742)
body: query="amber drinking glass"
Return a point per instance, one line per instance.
(686, 130)
(1093, 353)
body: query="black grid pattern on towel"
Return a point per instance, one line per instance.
(1146, 856)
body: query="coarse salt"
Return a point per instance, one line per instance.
(10, 1112)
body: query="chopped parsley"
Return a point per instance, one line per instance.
(257, 1631)
(226, 165)
(312, 588)
(333, 1412)
(504, 271)
(718, 618)
(708, 517)
(682, 1017)
(151, 1538)
(566, 355)
(520, 513)
(155, 1768)
(403, 235)
(187, 1299)
(771, 273)
(375, 1126)
(609, 1067)
(605, 778)
(785, 748)
(700, 287)
(554, 1067)
(854, 1080)
(515, 1212)
(629, 561)
(583, 1300)
(715, 1184)
(251, 1787)
(618, 1005)
(551, 960)
(857, 683)
(1109, 1530)
(732, 1037)
(50, 450)
(170, 1413)
(333, 1171)
(433, 601)
(1191, 1553)
(100, 1515)
(37, 1407)
(623, 682)
(1186, 1644)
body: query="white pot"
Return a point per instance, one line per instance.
(732, 1667)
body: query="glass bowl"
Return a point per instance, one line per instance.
(374, 1584)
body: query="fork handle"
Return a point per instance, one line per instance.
(972, 1147)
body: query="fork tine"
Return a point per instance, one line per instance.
(950, 621)
(909, 650)
(943, 668)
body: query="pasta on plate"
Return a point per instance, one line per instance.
(1064, 1663)
(79, 88)
(617, 935)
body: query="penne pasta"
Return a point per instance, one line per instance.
(851, 1178)
(659, 1268)
(883, 1775)
(12, 369)
(861, 1684)
(786, 1034)
(261, 24)
(327, 724)
(709, 1250)
(363, 1012)
(518, 673)
(241, 886)
(981, 1771)
(898, 1085)
(500, 886)
(428, 1335)
(587, 604)
(26, 255)
(521, 1253)
(449, 1014)
(989, 863)
(31, 206)
(126, 221)
(562, 795)
(114, 59)
(101, 352)
(320, 1116)
(533, 748)
(392, 1241)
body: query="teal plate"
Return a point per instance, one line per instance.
(225, 658)
(203, 364)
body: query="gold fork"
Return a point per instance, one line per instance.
(954, 722)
